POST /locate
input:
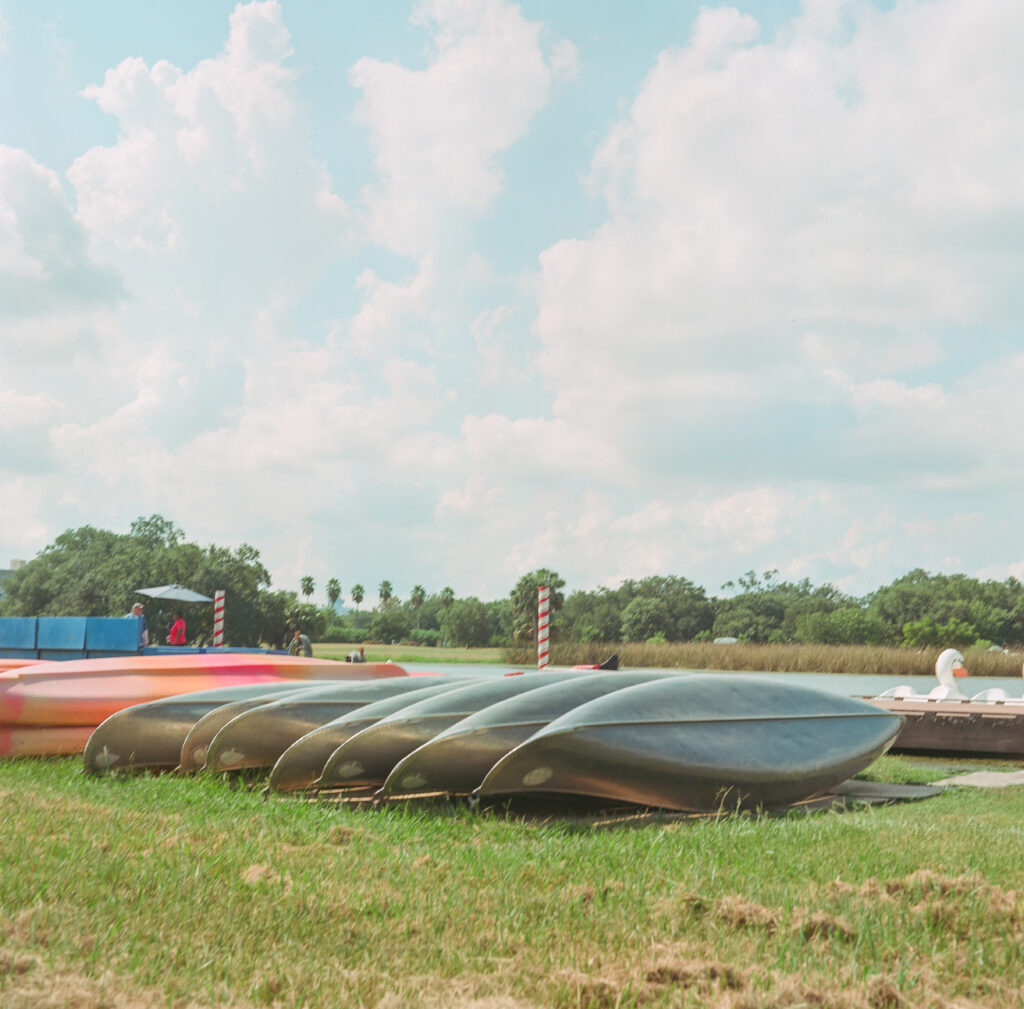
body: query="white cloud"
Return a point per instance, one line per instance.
(793, 223)
(751, 362)
(437, 133)
(211, 192)
(45, 266)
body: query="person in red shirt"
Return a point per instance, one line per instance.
(177, 635)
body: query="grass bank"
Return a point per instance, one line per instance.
(860, 659)
(137, 893)
(413, 653)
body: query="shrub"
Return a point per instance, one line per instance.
(425, 636)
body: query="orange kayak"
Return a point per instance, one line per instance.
(6, 664)
(43, 740)
(84, 692)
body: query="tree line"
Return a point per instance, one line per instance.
(94, 572)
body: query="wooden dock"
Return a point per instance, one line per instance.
(957, 726)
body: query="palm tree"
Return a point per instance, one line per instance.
(416, 599)
(385, 591)
(307, 586)
(447, 597)
(333, 591)
(358, 592)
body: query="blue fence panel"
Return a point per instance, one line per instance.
(111, 635)
(17, 637)
(64, 633)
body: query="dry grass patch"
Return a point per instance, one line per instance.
(60, 988)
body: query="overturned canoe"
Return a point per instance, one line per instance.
(151, 735)
(369, 756)
(699, 743)
(87, 691)
(193, 750)
(457, 760)
(303, 762)
(257, 738)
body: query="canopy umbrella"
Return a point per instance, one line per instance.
(178, 592)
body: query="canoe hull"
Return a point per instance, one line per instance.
(369, 756)
(456, 760)
(257, 738)
(151, 735)
(303, 762)
(700, 743)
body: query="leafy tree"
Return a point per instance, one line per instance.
(446, 598)
(994, 609)
(384, 593)
(523, 601)
(157, 531)
(307, 585)
(333, 592)
(416, 600)
(925, 633)
(644, 617)
(850, 625)
(94, 572)
(768, 610)
(593, 616)
(499, 618)
(358, 594)
(688, 610)
(390, 623)
(468, 623)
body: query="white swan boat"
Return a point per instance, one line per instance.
(948, 720)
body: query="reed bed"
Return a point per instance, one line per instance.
(863, 660)
(146, 892)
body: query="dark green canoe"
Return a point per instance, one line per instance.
(701, 743)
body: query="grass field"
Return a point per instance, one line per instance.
(146, 892)
(414, 653)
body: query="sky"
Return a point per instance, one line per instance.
(445, 292)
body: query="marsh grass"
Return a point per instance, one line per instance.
(862, 660)
(174, 892)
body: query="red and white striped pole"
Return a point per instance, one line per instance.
(543, 626)
(218, 619)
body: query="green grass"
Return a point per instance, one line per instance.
(165, 891)
(413, 653)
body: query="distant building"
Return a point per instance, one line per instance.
(6, 573)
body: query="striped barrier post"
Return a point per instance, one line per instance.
(218, 619)
(543, 626)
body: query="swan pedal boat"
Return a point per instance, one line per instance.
(948, 720)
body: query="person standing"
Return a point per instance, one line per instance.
(301, 645)
(177, 635)
(143, 625)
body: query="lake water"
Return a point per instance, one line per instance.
(851, 686)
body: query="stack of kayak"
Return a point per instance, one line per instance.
(54, 707)
(691, 742)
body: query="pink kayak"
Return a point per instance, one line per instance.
(84, 692)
